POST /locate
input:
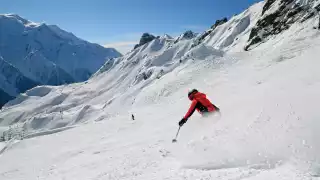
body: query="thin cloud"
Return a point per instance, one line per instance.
(195, 27)
(123, 43)
(127, 41)
(123, 47)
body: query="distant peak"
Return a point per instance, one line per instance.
(145, 38)
(167, 36)
(17, 17)
(20, 19)
(12, 15)
(188, 34)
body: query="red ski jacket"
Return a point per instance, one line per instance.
(201, 104)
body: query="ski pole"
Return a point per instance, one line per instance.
(175, 139)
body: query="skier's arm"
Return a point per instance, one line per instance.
(191, 109)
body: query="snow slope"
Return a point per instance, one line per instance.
(45, 54)
(268, 128)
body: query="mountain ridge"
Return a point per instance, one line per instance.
(46, 55)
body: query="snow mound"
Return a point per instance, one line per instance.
(202, 52)
(17, 100)
(39, 91)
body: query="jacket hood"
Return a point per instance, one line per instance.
(199, 95)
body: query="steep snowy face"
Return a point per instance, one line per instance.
(279, 15)
(12, 80)
(40, 51)
(258, 23)
(232, 34)
(4, 97)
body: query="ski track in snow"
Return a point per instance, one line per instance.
(268, 127)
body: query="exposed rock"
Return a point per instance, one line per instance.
(219, 22)
(274, 19)
(145, 38)
(186, 36)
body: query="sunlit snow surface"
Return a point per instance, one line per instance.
(268, 129)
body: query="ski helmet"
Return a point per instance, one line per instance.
(191, 93)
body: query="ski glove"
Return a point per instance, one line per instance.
(182, 122)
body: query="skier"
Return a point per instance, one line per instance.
(199, 103)
(132, 116)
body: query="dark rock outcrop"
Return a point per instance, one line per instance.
(219, 22)
(188, 35)
(145, 38)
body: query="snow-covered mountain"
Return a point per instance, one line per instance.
(45, 54)
(268, 97)
(12, 80)
(279, 15)
(233, 34)
(4, 97)
(186, 36)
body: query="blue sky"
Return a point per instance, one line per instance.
(120, 23)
